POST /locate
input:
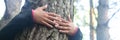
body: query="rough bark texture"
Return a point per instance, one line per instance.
(40, 32)
(102, 28)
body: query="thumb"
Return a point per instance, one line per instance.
(44, 7)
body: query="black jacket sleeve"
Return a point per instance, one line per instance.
(17, 24)
(77, 36)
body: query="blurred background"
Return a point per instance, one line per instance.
(97, 19)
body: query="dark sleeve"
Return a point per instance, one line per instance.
(77, 36)
(17, 24)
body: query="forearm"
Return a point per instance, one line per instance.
(21, 21)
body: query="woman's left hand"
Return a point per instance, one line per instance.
(66, 26)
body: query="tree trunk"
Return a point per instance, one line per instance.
(102, 28)
(92, 31)
(40, 32)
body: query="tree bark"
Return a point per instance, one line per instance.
(102, 28)
(41, 32)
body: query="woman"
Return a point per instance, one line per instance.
(27, 17)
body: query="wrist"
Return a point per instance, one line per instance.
(74, 31)
(33, 12)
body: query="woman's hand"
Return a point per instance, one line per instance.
(66, 26)
(43, 17)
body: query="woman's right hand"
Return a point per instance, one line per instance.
(43, 17)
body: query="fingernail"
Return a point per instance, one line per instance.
(54, 21)
(59, 15)
(60, 30)
(60, 20)
(51, 26)
(56, 25)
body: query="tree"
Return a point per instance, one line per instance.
(12, 9)
(92, 17)
(102, 27)
(40, 32)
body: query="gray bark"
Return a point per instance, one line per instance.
(102, 28)
(41, 32)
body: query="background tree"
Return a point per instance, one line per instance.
(92, 19)
(102, 27)
(40, 32)
(12, 9)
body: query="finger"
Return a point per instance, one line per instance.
(63, 28)
(56, 24)
(53, 14)
(44, 7)
(64, 31)
(63, 20)
(47, 24)
(49, 21)
(62, 23)
(69, 19)
(54, 18)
